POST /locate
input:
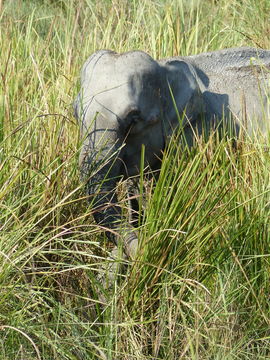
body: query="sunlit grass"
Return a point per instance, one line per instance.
(199, 288)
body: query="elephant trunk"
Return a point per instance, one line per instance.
(100, 169)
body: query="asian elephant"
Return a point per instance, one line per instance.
(129, 100)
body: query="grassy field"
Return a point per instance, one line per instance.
(200, 287)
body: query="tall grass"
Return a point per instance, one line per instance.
(200, 287)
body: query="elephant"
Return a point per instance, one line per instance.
(128, 101)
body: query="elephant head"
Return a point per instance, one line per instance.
(127, 101)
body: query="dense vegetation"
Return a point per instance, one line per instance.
(200, 287)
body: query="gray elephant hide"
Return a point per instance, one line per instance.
(130, 100)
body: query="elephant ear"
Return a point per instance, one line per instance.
(183, 93)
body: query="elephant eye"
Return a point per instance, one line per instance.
(131, 120)
(133, 116)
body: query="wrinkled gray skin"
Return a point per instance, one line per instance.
(125, 102)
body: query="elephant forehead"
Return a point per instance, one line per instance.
(131, 82)
(130, 96)
(139, 91)
(133, 71)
